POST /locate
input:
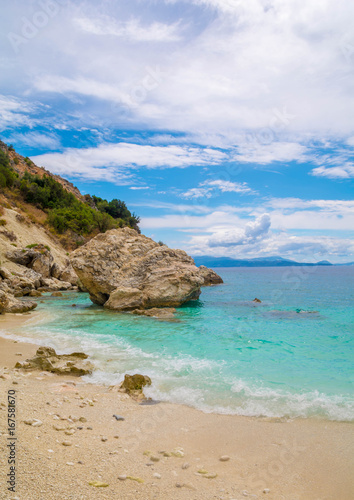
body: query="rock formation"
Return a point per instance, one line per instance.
(124, 270)
(41, 261)
(134, 384)
(9, 304)
(210, 276)
(48, 360)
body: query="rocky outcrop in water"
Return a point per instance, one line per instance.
(210, 276)
(134, 384)
(46, 359)
(124, 270)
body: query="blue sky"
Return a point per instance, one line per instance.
(227, 125)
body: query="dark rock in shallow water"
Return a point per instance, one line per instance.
(257, 301)
(166, 313)
(291, 314)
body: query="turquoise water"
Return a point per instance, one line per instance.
(226, 354)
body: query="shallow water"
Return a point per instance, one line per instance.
(291, 355)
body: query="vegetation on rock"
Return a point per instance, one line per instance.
(65, 213)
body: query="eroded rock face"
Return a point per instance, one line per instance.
(46, 359)
(124, 270)
(38, 258)
(210, 277)
(9, 304)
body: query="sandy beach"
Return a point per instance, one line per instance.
(162, 451)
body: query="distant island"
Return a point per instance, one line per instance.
(209, 261)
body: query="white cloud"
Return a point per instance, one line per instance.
(197, 193)
(14, 112)
(227, 231)
(268, 153)
(238, 67)
(207, 188)
(340, 172)
(113, 161)
(138, 188)
(131, 30)
(35, 139)
(249, 235)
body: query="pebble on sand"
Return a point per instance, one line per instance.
(66, 443)
(134, 478)
(118, 417)
(157, 475)
(98, 484)
(122, 477)
(153, 458)
(104, 439)
(186, 465)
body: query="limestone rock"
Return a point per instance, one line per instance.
(210, 277)
(133, 384)
(53, 284)
(68, 274)
(124, 270)
(9, 304)
(46, 359)
(38, 258)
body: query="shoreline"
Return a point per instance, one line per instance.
(297, 459)
(36, 317)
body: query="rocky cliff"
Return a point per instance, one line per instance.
(124, 270)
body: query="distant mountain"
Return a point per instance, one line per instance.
(276, 261)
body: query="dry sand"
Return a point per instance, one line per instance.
(269, 458)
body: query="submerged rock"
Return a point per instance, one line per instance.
(166, 313)
(258, 301)
(46, 359)
(210, 277)
(124, 270)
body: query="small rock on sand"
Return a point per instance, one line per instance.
(66, 443)
(224, 458)
(186, 465)
(104, 439)
(157, 475)
(118, 417)
(122, 477)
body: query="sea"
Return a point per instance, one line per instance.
(290, 356)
